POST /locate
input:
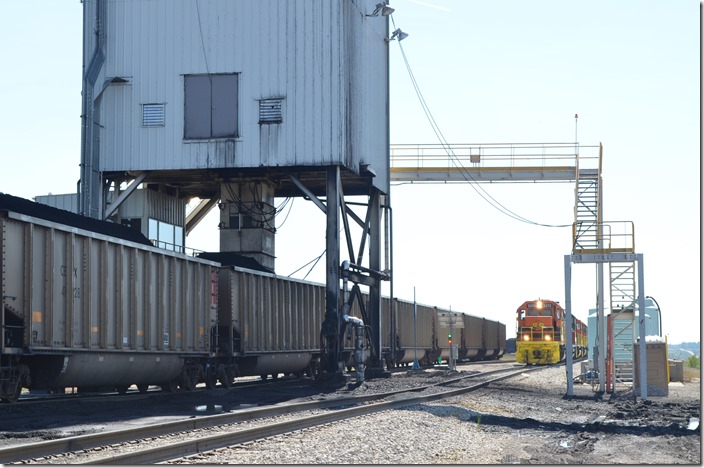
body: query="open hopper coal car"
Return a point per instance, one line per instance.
(472, 339)
(494, 339)
(412, 340)
(428, 340)
(267, 324)
(92, 306)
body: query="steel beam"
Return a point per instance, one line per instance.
(331, 322)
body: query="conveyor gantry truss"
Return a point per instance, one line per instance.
(593, 240)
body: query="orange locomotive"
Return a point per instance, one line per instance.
(541, 331)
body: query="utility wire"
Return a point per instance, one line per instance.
(448, 149)
(316, 260)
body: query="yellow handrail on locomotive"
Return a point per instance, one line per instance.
(536, 333)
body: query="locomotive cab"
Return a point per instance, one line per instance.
(539, 333)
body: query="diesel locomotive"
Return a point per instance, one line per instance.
(541, 333)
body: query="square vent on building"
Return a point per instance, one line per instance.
(270, 111)
(153, 115)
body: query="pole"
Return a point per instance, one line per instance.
(451, 360)
(641, 330)
(568, 325)
(415, 346)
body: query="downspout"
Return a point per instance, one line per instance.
(90, 184)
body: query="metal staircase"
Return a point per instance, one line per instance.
(586, 226)
(587, 209)
(591, 235)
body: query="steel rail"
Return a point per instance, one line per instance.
(199, 445)
(86, 442)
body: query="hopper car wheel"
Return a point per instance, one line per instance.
(11, 392)
(263, 376)
(211, 380)
(171, 387)
(314, 369)
(12, 389)
(122, 389)
(189, 378)
(224, 376)
(143, 388)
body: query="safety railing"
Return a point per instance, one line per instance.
(495, 155)
(611, 236)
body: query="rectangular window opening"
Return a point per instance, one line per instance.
(210, 106)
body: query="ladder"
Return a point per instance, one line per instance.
(623, 331)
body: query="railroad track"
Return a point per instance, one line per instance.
(173, 440)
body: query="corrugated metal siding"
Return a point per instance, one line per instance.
(272, 314)
(92, 293)
(472, 335)
(68, 201)
(325, 58)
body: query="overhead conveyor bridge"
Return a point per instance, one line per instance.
(494, 162)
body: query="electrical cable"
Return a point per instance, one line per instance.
(289, 201)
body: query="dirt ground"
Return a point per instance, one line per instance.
(549, 427)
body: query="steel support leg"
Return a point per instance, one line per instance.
(330, 327)
(568, 324)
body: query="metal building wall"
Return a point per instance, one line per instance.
(325, 58)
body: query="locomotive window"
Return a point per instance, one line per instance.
(545, 313)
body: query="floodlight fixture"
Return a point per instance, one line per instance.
(382, 8)
(398, 34)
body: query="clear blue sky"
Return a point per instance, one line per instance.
(490, 71)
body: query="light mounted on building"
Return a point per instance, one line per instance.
(398, 34)
(382, 9)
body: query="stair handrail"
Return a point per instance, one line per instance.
(622, 241)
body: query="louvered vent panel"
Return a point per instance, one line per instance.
(153, 115)
(270, 111)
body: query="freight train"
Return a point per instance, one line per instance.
(93, 305)
(541, 333)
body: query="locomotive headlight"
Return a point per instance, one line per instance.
(526, 337)
(539, 304)
(548, 338)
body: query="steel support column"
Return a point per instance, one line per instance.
(568, 325)
(376, 361)
(331, 323)
(641, 330)
(601, 328)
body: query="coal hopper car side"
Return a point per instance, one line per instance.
(472, 344)
(413, 337)
(267, 324)
(86, 308)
